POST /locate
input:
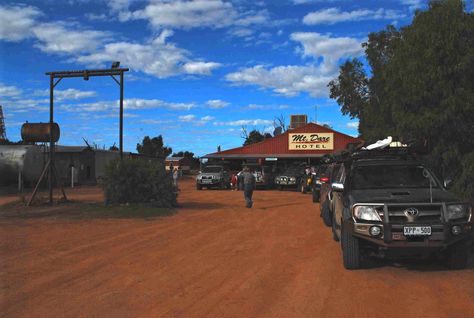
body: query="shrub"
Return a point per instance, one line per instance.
(138, 181)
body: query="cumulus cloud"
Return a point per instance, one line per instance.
(9, 91)
(181, 14)
(17, 21)
(130, 104)
(187, 118)
(68, 94)
(157, 57)
(354, 125)
(290, 80)
(217, 103)
(195, 120)
(60, 38)
(244, 122)
(284, 80)
(93, 48)
(334, 15)
(330, 49)
(413, 4)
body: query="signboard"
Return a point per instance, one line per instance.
(311, 141)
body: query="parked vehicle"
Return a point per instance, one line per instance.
(306, 183)
(291, 177)
(213, 177)
(264, 176)
(318, 178)
(388, 204)
(326, 197)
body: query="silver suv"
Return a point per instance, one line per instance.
(213, 177)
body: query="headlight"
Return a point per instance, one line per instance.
(457, 211)
(292, 179)
(366, 213)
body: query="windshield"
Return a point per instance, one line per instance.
(391, 176)
(212, 169)
(293, 170)
(322, 170)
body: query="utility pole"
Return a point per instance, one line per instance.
(3, 130)
(315, 114)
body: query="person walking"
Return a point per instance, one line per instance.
(248, 180)
(175, 178)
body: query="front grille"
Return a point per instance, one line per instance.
(427, 213)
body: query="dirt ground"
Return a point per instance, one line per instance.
(213, 258)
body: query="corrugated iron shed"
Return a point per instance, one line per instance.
(278, 146)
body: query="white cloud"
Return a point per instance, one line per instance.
(179, 14)
(61, 38)
(156, 58)
(414, 4)
(330, 49)
(16, 22)
(137, 103)
(244, 122)
(187, 14)
(195, 120)
(94, 48)
(200, 68)
(96, 17)
(187, 118)
(334, 15)
(291, 80)
(9, 91)
(68, 94)
(26, 105)
(130, 104)
(354, 125)
(284, 80)
(207, 118)
(217, 103)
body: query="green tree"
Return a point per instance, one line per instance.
(421, 87)
(153, 147)
(253, 137)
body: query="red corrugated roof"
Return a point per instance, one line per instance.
(278, 146)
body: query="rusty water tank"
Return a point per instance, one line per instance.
(39, 132)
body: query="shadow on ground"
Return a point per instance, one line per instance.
(431, 264)
(81, 210)
(196, 205)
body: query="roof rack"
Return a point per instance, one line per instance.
(386, 153)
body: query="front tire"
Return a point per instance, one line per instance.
(333, 228)
(303, 188)
(326, 213)
(350, 249)
(457, 256)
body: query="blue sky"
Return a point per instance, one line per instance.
(200, 70)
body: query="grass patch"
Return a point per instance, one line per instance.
(81, 210)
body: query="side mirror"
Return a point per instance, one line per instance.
(338, 187)
(448, 183)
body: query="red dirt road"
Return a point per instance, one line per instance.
(214, 258)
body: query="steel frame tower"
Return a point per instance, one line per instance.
(3, 130)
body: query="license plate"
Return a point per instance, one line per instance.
(417, 230)
(206, 181)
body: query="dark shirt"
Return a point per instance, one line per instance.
(248, 180)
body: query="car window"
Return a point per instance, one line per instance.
(391, 176)
(340, 177)
(212, 169)
(335, 171)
